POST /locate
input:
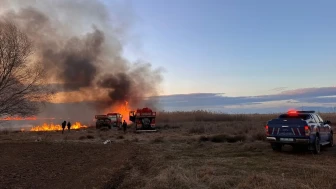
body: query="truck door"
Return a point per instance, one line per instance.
(313, 123)
(322, 128)
(325, 128)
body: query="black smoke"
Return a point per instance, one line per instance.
(80, 44)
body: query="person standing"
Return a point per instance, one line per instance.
(69, 125)
(124, 126)
(63, 126)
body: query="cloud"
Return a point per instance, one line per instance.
(323, 98)
(278, 89)
(319, 99)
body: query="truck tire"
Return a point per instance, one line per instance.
(331, 140)
(276, 147)
(317, 145)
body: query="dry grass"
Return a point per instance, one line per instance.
(207, 150)
(200, 115)
(206, 116)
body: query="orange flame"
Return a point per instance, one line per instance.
(122, 109)
(54, 127)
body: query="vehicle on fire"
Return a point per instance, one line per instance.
(299, 128)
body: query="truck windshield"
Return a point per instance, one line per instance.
(113, 117)
(300, 116)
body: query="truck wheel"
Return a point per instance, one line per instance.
(276, 147)
(331, 140)
(317, 145)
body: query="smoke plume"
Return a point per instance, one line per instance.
(80, 44)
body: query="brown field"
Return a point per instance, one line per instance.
(190, 150)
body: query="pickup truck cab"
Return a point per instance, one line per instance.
(299, 128)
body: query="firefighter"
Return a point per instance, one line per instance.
(124, 126)
(63, 126)
(69, 125)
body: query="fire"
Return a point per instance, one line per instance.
(58, 127)
(123, 109)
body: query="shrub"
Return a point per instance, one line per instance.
(228, 138)
(219, 138)
(90, 137)
(204, 138)
(259, 136)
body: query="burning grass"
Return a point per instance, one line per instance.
(56, 127)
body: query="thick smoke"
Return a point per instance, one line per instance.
(80, 44)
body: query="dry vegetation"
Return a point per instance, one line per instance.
(190, 150)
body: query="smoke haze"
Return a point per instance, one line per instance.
(80, 44)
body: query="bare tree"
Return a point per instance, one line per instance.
(21, 78)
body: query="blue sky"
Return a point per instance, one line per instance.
(240, 48)
(237, 47)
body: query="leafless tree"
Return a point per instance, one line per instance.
(21, 78)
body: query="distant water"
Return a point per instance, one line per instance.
(15, 126)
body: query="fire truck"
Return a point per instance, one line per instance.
(102, 121)
(144, 119)
(116, 119)
(110, 120)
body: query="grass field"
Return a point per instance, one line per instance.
(190, 150)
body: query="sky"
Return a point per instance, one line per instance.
(239, 49)
(235, 56)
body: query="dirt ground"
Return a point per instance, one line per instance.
(179, 155)
(61, 165)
